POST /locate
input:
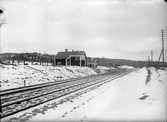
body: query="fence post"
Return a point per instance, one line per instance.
(0, 108)
(24, 82)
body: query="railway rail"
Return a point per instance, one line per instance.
(20, 99)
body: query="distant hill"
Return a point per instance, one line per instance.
(100, 61)
(118, 62)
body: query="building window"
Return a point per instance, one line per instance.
(77, 58)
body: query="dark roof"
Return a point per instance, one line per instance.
(65, 55)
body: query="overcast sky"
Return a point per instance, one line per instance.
(124, 29)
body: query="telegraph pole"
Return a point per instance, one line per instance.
(162, 31)
(148, 61)
(45, 64)
(152, 55)
(162, 34)
(151, 60)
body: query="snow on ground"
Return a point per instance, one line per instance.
(103, 69)
(15, 76)
(126, 67)
(128, 98)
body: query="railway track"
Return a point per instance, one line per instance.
(20, 99)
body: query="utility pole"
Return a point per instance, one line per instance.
(152, 55)
(45, 64)
(163, 47)
(148, 61)
(162, 36)
(151, 61)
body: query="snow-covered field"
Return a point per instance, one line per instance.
(126, 67)
(128, 98)
(15, 76)
(103, 69)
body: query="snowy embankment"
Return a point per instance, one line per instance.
(134, 97)
(103, 69)
(126, 67)
(15, 76)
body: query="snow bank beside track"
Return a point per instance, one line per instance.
(118, 100)
(131, 99)
(127, 98)
(20, 75)
(103, 69)
(126, 67)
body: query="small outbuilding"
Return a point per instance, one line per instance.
(71, 58)
(92, 62)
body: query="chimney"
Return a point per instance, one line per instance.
(66, 50)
